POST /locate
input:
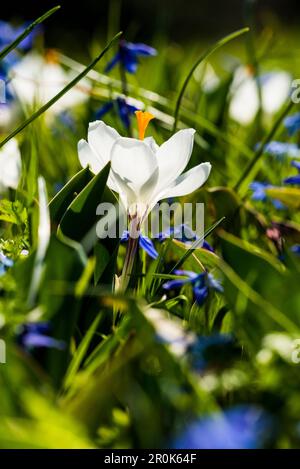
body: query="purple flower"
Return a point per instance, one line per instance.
(202, 284)
(9, 33)
(210, 350)
(184, 234)
(294, 179)
(292, 123)
(5, 263)
(123, 108)
(35, 335)
(296, 249)
(145, 243)
(259, 194)
(128, 56)
(241, 427)
(280, 150)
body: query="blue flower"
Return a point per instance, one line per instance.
(184, 234)
(207, 350)
(5, 263)
(202, 284)
(9, 33)
(294, 179)
(280, 150)
(296, 249)
(181, 232)
(241, 427)
(128, 56)
(35, 335)
(259, 194)
(145, 243)
(292, 123)
(123, 108)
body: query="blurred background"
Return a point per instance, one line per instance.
(181, 21)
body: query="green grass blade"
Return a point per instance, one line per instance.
(52, 101)
(258, 154)
(196, 244)
(27, 31)
(204, 56)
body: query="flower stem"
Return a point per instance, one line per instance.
(129, 263)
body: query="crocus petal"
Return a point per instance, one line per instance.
(88, 157)
(173, 156)
(134, 164)
(101, 138)
(10, 164)
(152, 144)
(188, 182)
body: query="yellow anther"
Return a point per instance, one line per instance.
(143, 119)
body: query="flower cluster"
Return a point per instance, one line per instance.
(202, 284)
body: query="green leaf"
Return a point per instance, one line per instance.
(204, 56)
(289, 196)
(227, 204)
(66, 195)
(81, 216)
(254, 287)
(250, 168)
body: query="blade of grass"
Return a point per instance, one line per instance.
(204, 56)
(52, 101)
(257, 155)
(27, 31)
(196, 244)
(186, 254)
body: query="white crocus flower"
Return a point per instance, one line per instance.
(141, 171)
(10, 165)
(244, 104)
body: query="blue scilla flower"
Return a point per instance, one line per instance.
(292, 123)
(202, 284)
(184, 234)
(181, 233)
(211, 350)
(294, 179)
(259, 194)
(145, 243)
(240, 427)
(123, 108)
(280, 150)
(36, 335)
(5, 263)
(9, 33)
(296, 249)
(128, 56)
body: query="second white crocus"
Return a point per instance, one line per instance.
(10, 165)
(142, 172)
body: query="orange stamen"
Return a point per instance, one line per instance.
(143, 119)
